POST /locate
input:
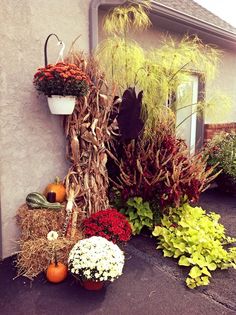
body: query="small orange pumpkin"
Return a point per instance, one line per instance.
(58, 188)
(56, 272)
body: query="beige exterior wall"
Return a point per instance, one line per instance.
(225, 82)
(32, 141)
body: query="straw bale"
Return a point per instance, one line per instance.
(35, 254)
(38, 222)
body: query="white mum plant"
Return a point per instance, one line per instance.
(96, 259)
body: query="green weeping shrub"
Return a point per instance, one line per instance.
(197, 240)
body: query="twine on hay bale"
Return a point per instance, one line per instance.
(35, 255)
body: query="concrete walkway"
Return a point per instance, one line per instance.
(150, 285)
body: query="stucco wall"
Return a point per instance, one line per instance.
(32, 141)
(225, 82)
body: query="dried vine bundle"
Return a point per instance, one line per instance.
(87, 131)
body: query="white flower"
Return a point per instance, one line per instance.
(96, 258)
(52, 236)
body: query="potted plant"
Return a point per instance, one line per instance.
(221, 151)
(62, 83)
(109, 224)
(94, 261)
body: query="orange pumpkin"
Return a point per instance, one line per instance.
(56, 272)
(58, 188)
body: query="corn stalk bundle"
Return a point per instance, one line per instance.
(87, 131)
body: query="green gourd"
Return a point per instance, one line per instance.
(36, 200)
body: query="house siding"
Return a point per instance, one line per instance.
(32, 140)
(226, 83)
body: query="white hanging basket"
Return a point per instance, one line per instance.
(61, 105)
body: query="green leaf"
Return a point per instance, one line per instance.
(183, 224)
(148, 214)
(212, 266)
(138, 200)
(180, 246)
(167, 253)
(190, 283)
(206, 271)
(133, 215)
(195, 272)
(157, 231)
(177, 253)
(123, 211)
(205, 280)
(183, 261)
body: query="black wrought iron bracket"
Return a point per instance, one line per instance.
(45, 47)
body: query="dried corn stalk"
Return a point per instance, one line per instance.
(86, 132)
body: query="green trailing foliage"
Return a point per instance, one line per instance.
(197, 240)
(139, 214)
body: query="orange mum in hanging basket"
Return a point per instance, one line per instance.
(62, 79)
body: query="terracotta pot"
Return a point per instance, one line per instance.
(92, 285)
(61, 105)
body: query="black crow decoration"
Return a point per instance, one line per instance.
(129, 116)
(127, 112)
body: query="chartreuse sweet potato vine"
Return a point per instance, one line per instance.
(197, 239)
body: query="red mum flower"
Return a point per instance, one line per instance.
(109, 224)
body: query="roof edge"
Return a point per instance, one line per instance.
(159, 8)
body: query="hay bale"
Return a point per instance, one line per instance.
(38, 222)
(36, 251)
(35, 255)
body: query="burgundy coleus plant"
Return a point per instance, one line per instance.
(160, 168)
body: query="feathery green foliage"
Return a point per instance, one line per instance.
(130, 16)
(123, 72)
(158, 72)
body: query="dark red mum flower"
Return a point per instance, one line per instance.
(109, 224)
